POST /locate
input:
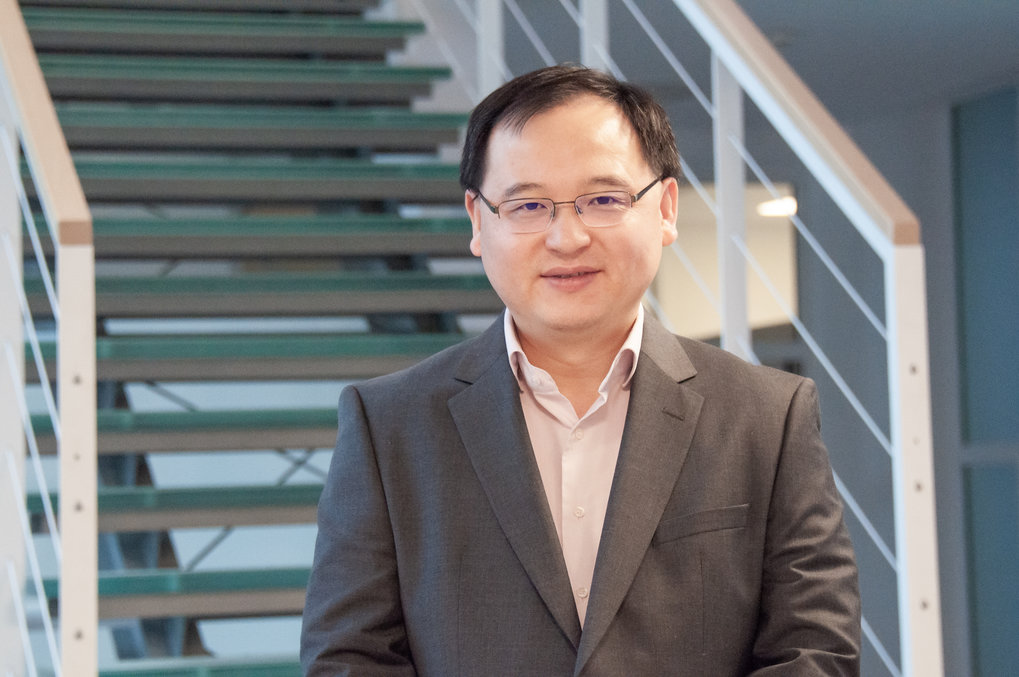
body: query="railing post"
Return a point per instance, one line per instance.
(12, 438)
(730, 200)
(76, 382)
(594, 33)
(912, 464)
(488, 34)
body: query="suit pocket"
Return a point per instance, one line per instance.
(717, 519)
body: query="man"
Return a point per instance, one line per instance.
(577, 491)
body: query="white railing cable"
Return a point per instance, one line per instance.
(815, 348)
(33, 340)
(882, 652)
(865, 522)
(816, 246)
(532, 35)
(670, 57)
(34, 456)
(19, 612)
(33, 563)
(12, 160)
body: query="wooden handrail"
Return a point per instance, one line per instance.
(777, 89)
(46, 151)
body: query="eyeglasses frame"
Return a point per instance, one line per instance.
(633, 200)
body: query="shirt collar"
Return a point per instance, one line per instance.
(625, 360)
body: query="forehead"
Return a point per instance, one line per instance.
(585, 134)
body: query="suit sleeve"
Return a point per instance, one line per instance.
(353, 621)
(810, 609)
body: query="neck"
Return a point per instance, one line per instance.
(577, 361)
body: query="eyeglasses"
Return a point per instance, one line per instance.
(596, 210)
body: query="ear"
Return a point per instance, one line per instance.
(669, 209)
(472, 203)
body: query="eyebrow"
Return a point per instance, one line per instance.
(532, 189)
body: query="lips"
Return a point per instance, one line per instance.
(566, 274)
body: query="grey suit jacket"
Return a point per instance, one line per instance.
(723, 552)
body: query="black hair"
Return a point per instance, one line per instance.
(523, 97)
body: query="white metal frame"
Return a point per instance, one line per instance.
(33, 125)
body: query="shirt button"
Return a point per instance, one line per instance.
(578, 512)
(578, 434)
(582, 593)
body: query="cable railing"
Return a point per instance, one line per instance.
(744, 66)
(36, 166)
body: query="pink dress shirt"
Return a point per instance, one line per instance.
(576, 456)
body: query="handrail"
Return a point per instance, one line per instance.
(26, 102)
(803, 121)
(46, 151)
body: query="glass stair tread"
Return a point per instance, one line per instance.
(307, 6)
(282, 235)
(261, 180)
(285, 294)
(77, 24)
(159, 509)
(178, 126)
(155, 593)
(205, 666)
(132, 432)
(231, 79)
(191, 357)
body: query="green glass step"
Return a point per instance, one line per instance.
(262, 180)
(254, 357)
(130, 432)
(285, 294)
(200, 32)
(192, 666)
(159, 593)
(225, 79)
(305, 6)
(281, 235)
(154, 126)
(158, 509)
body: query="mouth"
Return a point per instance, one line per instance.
(568, 274)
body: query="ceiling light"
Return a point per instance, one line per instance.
(783, 207)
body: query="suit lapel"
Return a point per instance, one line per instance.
(501, 454)
(660, 422)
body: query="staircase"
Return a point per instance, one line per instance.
(272, 220)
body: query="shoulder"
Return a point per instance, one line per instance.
(441, 374)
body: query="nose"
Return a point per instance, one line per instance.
(567, 233)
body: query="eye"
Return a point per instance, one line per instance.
(524, 208)
(613, 200)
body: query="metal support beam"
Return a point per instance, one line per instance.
(730, 204)
(490, 49)
(594, 33)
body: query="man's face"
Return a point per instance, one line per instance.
(572, 280)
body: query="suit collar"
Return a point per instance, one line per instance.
(500, 452)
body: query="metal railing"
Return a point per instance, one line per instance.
(745, 66)
(35, 165)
